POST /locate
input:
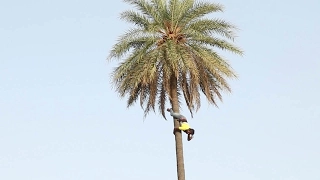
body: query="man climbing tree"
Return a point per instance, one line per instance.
(184, 125)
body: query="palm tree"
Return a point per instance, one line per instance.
(169, 55)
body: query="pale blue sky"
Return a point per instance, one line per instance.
(60, 119)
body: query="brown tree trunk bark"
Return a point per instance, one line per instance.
(178, 136)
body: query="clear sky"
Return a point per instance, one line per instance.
(60, 119)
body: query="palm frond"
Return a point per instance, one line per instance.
(135, 18)
(199, 10)
(213, 27)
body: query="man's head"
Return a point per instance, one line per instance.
(190, 131)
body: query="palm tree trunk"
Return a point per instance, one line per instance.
(178, 136)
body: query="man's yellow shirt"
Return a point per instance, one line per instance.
(184, 126)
